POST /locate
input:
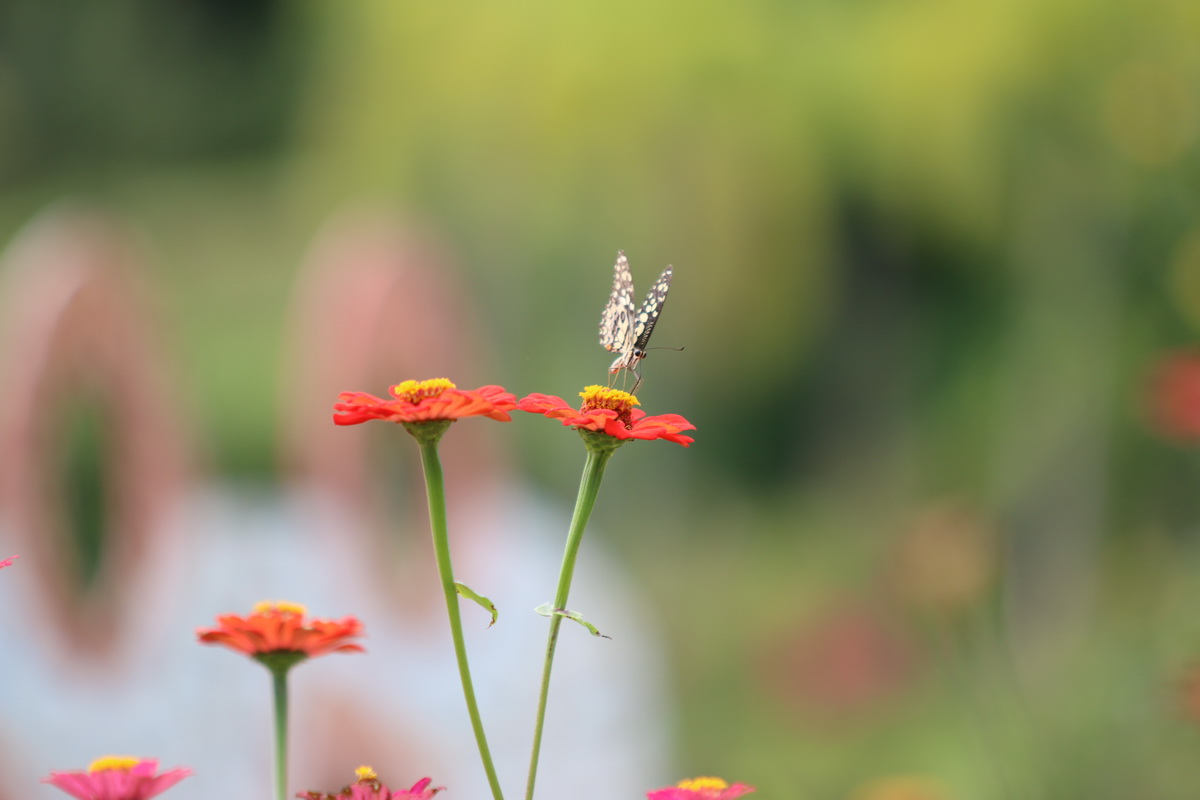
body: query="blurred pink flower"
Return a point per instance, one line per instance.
(368, 787)
(844, 664)
(8, 561)
(900, 787)
(1174, 396)
(1189, 693)
(117, 778)
(701, 789)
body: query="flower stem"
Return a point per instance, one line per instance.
(589, 487)
(279, 683)
(436, 492)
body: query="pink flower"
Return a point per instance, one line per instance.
(419, 791)
(368, 787)
(117, 778)
(8, 561)
(701, 789)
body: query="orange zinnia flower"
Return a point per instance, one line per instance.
(610, 411)
(275, 628)
(425, 401)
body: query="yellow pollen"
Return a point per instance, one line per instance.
(123, 763)
(416, 391)
(603, 397)
(700, 784)
(280, 605)
(365, 773)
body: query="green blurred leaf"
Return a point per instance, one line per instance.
(486, 604)
(546, 610)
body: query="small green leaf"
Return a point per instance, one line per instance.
(546, 610)
(487, 605)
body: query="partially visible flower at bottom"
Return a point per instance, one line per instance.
(701, 789)
(367, 786)
(117, 778)
(900, 787)
(610, 411)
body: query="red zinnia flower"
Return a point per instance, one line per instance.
(368, 787)
(281, 628)
(425, 401)
(117, 778)
(610, 411)
(701, 789)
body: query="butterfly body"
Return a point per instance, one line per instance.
(625, 328)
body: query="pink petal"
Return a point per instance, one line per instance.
(161, 783)
(76, 784)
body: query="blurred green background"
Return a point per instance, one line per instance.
(925, 252)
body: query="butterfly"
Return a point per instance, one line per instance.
(624, 329)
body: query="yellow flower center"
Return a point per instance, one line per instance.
(416, 391)
(280, 605)
(701, 784)
(603, 397)
(123, 763)
(365, 773)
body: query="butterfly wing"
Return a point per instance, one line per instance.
(647, 315)
(619, 318)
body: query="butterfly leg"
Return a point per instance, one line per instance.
(636, 383)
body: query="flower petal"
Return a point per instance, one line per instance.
(610, 421)
(274, 630)
(136, 782)
(424, 401)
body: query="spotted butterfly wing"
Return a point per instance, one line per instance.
(625, 329)
(647, 316)
(617, 322)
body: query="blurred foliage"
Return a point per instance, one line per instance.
(133, 82)
(83, 471)
(924, 249)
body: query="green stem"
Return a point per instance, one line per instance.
(589, 487)
(279, 683)
(436, 491)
